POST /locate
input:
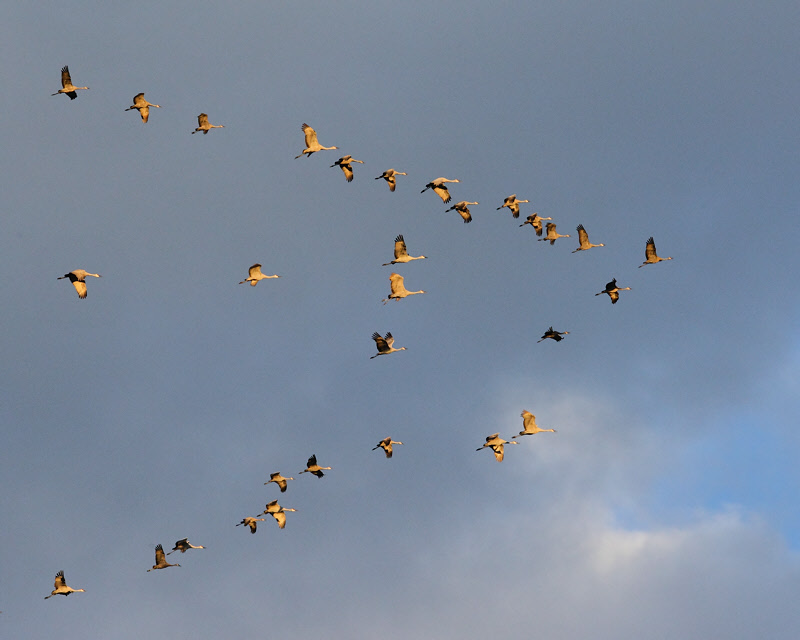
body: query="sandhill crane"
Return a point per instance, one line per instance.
(535, 220)
(529, 426)
(583, 239)
(66, 84)
(77, 278)
(142, 105)
(161, 559)
(251, 522)
(401, 253)
(61, 586)
(344, 162)
(513, 204)
(463, 209)
(398, 289)
(204, 125)
(312, 144)
(278, 479)
(183, 545)
(313, 467)
(650, 253)
(384, 344)
(439, 188)
(552, 234)
(555, 335)
(278, 512)
(613, 291)
(386, 445)
(256, 276)
(495, 443)
(389, 176)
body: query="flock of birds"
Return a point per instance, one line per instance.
(384, 344)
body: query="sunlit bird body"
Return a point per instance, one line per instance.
(650, 253)
(278, 479)
(401, 253)
(255, 276)
(161, 559)
(384, 344)
(583, 239)
(535, 220)
(463, 210)
(312, 144)
(313, 467)
(513, 204)
(398, 288)
(495, 443)
(344, 162)
(389, 176)
(440, 188)
(278, 512)
(143, 106)
(61, 588)
(553, 335)
(67, 86)
(183, 545)
(204, 125)
(251, 522)
(529, 426)
(552, 234)
(78, 280)
(613, 291)
(386, 445)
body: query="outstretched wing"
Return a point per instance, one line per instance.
(202, 119)
(380, 343)
(60, 581)
(66, 80)
(389, 338)
(160, 558)
(650, 249)
(400, 247)
(583, 237)
(255, 270)
(311, 136)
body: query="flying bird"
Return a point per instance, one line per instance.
(439, 188)
(535, 220)
(384, 344)
(61, 588)
(613, 291)
(77, 278)
(401, 253)
(344, 162)
(183, 545)
(386, 445)
(555, 335)
(278, 479)
(529, 426)
(650, 253)
(463, 210)
(312, 144)
(256, 276)
(278, 512)
(513, 204)
(66, 84)
(313, 467)
(389, 176)
(251, 522)
(204, 125)
(398, 289)
(583, 239)
(495, 443)
(161, 559)
(142, 105)
(552, 235)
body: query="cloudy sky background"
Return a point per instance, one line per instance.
(666, 504)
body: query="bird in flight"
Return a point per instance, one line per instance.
(312, 144)
(67, 86)
(77, 278)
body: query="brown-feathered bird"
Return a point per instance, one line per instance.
(61, 588)
(495, 443)
(613, 291)
(67, 86)
(650, 253)
(386, 445)
(161, 559)
(77, 278)
(313, 467)
(143, 106)
(312, 144)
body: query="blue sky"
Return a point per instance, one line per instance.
(156, 408)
